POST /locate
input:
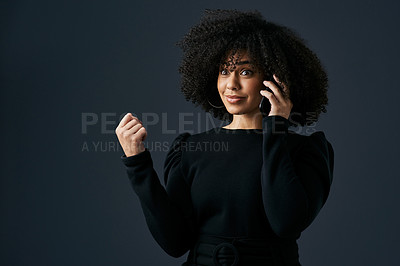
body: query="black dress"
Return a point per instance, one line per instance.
(235, 196)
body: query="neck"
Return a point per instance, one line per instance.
(246, 121)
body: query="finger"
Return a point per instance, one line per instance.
(142, 133)
(278, 81)
(264, 93)
(274, 89)
(134, 129)
(125, 120)
(285, 90)
(131, 123)
(270, 96)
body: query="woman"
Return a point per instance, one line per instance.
(249, 203)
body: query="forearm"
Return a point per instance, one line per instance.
(167, 223)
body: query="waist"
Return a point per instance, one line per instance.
(237, 251)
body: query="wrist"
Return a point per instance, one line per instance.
(276, 124)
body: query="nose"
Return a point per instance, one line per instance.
(233, 82)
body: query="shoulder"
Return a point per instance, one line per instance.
(178, 142)
(316, 142)
(317, 138)
(184, 143)
(318, 152)
(181, 141)
(319, 141)
(176, 147)
(186, 139)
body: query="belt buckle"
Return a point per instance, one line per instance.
(227, 245)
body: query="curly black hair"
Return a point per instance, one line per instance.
(272, 47)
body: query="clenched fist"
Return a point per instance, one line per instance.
(131, 134)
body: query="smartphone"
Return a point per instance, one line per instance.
(265, 106)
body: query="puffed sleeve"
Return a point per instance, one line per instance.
(294, 189)
(168, 211)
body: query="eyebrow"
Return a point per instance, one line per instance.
(241, 63)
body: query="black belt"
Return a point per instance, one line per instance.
(224, 251)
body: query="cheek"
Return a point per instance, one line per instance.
(220, 86)
(256, 99)
(255, 90)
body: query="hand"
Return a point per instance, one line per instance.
(280, 105)
(131, 134)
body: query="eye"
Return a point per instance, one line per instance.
(247, 72)
(224, 72)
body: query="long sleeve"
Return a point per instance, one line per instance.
(167, 210)
(294, 189)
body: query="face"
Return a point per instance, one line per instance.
(239, 88)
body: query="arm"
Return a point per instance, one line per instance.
(166, 211)
(294, 191)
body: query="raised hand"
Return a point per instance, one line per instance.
(280, 104)
(131, 134)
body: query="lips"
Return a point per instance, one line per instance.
(234, 98)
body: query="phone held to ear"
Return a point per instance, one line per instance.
(265, 105)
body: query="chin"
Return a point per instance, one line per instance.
(236, 111)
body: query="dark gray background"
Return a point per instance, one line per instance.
(64, 205)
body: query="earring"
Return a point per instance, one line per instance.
(215, 106)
